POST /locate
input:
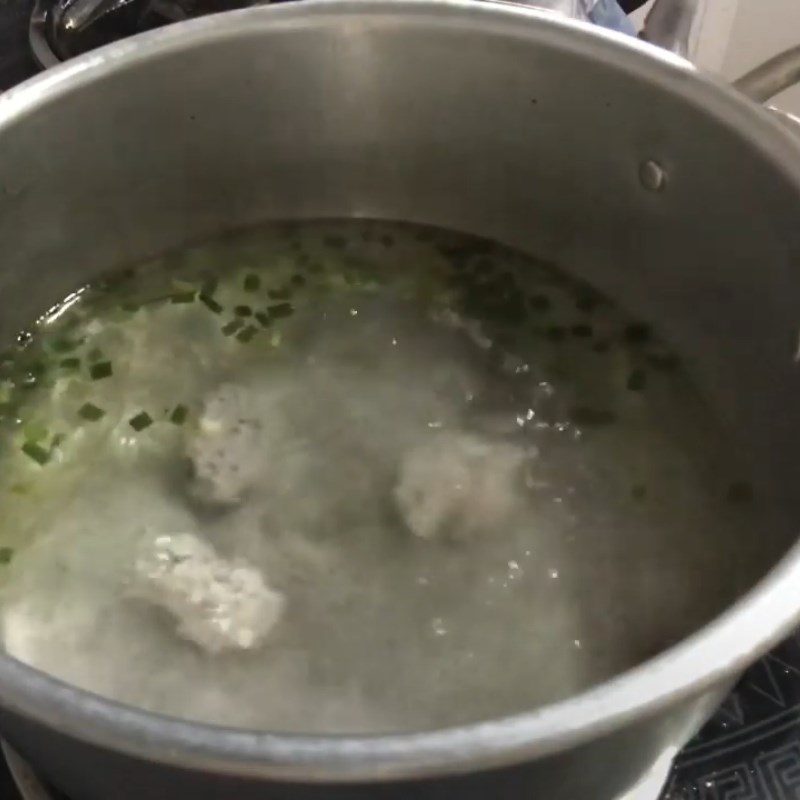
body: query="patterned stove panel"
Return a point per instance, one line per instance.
(750, 750)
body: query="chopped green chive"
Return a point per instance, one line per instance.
(243, 311)
(484, 266)
(58, 440)
(36, 452)
(64, 345)
(335, 241)
(6, 554)
(252, 283)
(70, 363)
(161, 298)
(263, 318)
(34, 432)
(100, 370)
(507, 278)
(740, 492)
(113, 281)
(298, 280)
(29, 381)
(130, 306)
(232, 327)
(209, 287)
(637, 380)
(664, 362)
(556, 333)
(246, 334)
(280, 310)
(183, 297)
(639, 491)
(141, 421)
(91, 412)
(210, 303)
(586, 303)
(637, 333)
(582, 331)
(178, 415)
(591, 417)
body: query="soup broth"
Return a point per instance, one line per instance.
(355, 477)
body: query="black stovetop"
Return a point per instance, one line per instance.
(749, 751)
(16, 62)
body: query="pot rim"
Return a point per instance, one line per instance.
(704, 659)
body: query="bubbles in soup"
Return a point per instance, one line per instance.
(354, 476)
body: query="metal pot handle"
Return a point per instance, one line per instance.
(670, 24)
(771, 77)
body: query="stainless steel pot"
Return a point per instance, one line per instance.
(667, 190)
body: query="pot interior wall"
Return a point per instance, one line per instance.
(520, 131)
